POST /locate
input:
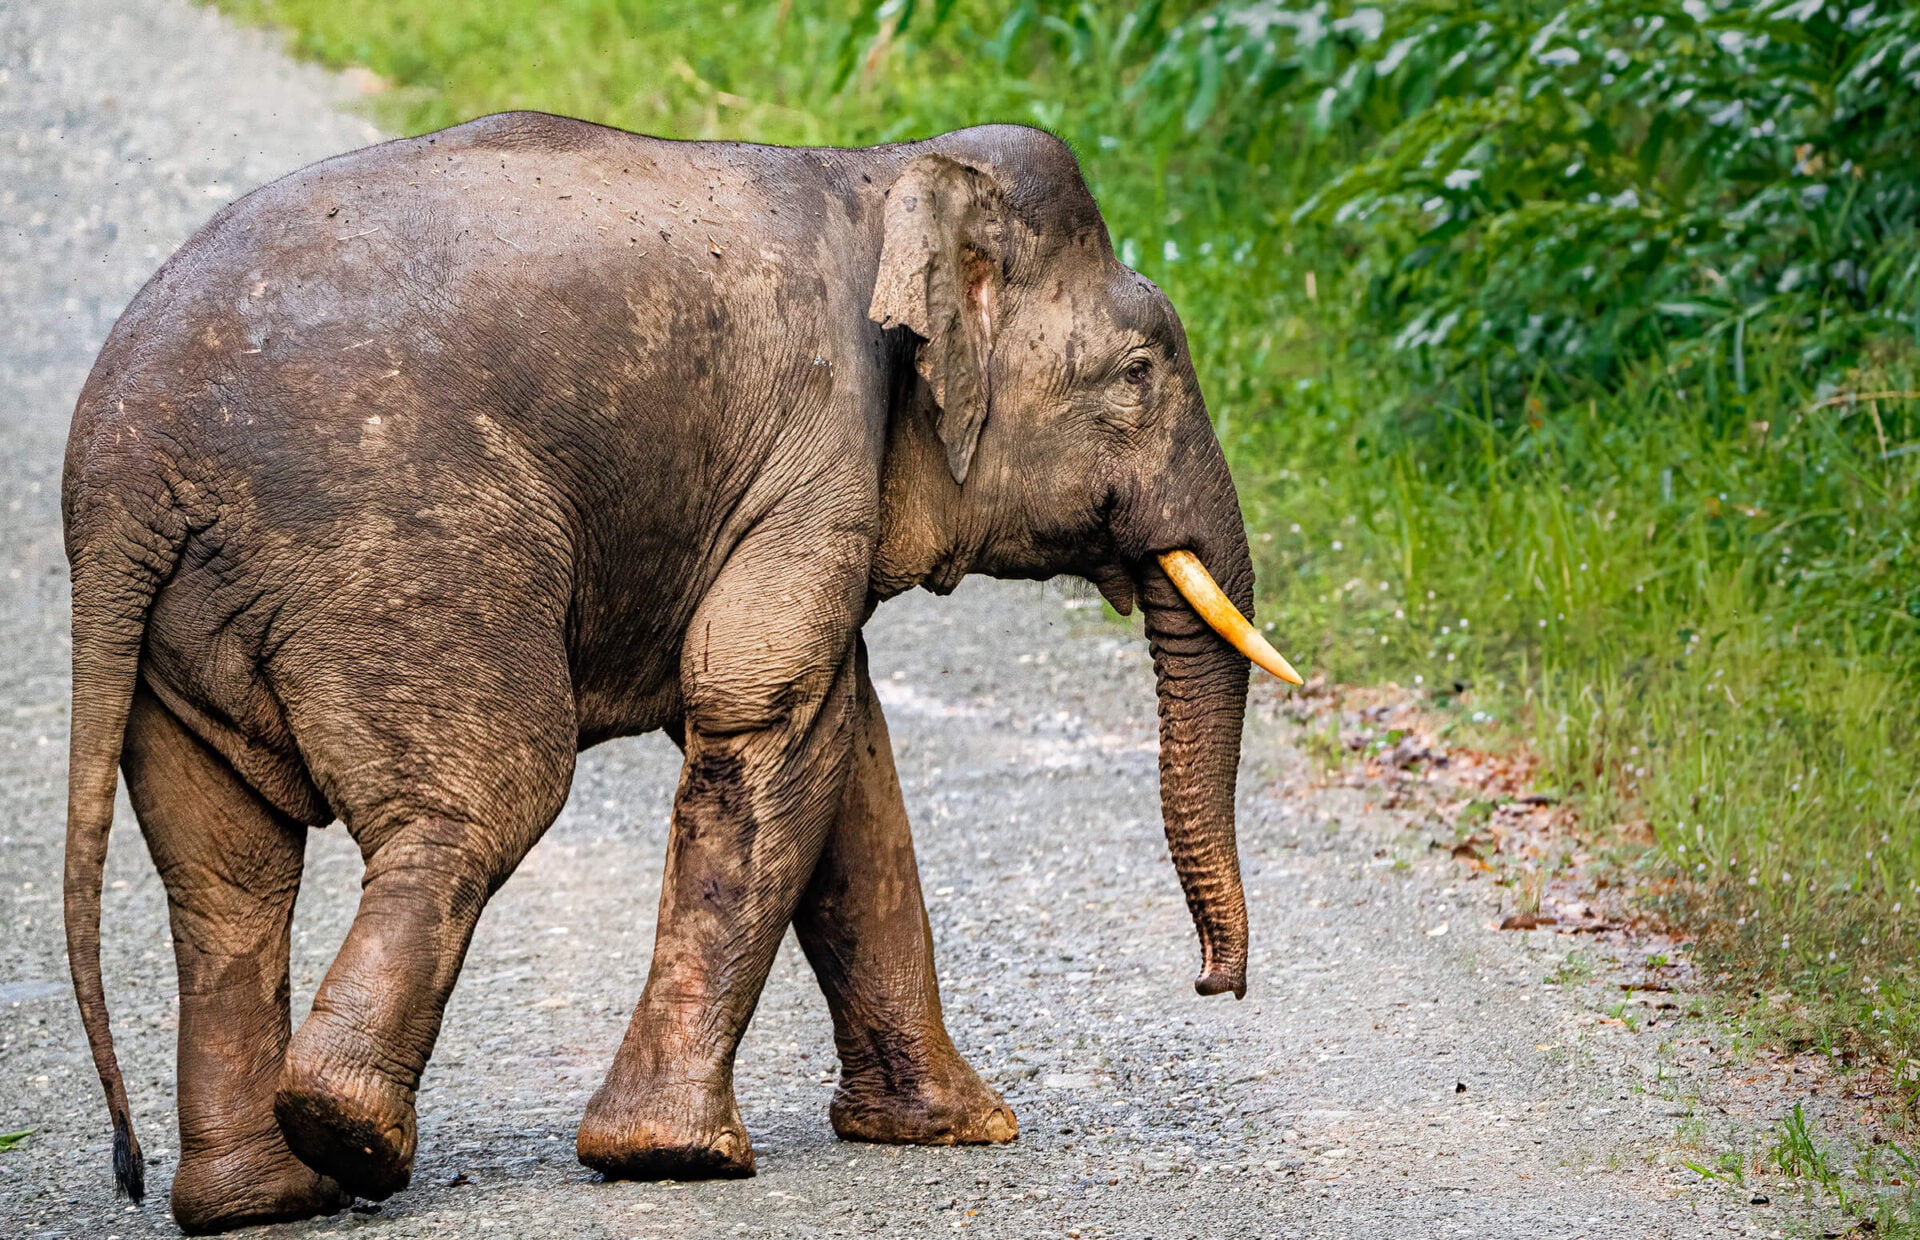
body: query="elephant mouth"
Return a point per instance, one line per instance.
(1210, 603)
(1115, 583)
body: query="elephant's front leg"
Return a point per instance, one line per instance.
(766, 751)
(864, 928)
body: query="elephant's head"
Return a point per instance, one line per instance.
(1056, 426)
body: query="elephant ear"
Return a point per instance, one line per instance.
(940, 277)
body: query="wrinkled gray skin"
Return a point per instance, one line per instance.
(421, 469)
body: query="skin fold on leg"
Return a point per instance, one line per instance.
(864, 928)
(231, 865)
(346, 1096)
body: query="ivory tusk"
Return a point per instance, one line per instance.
(1197, 586)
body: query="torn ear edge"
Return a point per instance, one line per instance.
(939, 276)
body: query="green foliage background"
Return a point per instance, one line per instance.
(1565, 354)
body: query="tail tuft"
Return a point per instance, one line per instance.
(129, 1169)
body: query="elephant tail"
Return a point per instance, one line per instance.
(118, 565)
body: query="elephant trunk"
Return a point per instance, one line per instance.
(1202, 686)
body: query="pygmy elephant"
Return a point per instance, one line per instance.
(418, 471)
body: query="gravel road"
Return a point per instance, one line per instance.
(1398, 1069)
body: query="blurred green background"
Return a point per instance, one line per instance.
(1565, 355)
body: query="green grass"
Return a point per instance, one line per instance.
(1868, 1185)
(1876, 1186)
(1678, 564)
(1575, 970)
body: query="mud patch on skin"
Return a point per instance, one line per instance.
(716, 779)
(715, 788)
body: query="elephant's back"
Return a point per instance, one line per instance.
(556, 355)
(555, 276)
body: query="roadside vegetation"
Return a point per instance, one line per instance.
(1568, 356)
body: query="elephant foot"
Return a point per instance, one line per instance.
(653, 1139)
(905, 1104)
(261, 1182)
(355, 1126)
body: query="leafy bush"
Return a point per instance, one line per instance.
(1596, 183)
(1545, 191)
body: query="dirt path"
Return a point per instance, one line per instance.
(1398, 1069)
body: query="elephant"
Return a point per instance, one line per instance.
(418, 471)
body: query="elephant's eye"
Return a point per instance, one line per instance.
(1138, 371)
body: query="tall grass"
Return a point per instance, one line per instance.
(1542, 338)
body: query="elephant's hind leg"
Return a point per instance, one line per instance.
(864, 928)
(231, 865)
(446, 775)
